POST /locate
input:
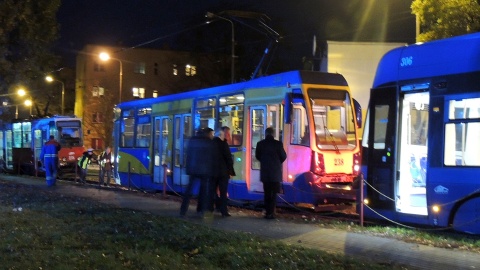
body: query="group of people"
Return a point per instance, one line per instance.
(49, 157)
(210, 163)
(104, 161)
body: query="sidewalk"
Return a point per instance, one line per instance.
(383, 250)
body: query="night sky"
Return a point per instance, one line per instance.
(181, 25)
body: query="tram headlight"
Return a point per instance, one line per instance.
(436, 208)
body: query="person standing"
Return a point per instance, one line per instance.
(271, 154)
(83, 164)
(222, 172)
(199, 168)
(49, 156)
(105, 162)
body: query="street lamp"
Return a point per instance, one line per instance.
(51, 79)
(29, 102)
(211, 15)
(105, 57)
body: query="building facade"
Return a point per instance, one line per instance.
(134, 74)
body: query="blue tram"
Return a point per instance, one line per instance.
(313, 114)
(421, 143)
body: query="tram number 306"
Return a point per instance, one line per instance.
(338, 162)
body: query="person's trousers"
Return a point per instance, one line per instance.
(221, 201)
(50, 170)
(270, 190)
(202, 195)
(104, 172)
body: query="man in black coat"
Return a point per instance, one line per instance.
(199, 165)
(222, 172)
(271, 155)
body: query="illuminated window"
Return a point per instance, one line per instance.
(230, 113)
(98, 91)
(175, 70)
(461, 133)
(139, 68)
(155, 93)
(205, 113)
(138, 92)
(190, 70)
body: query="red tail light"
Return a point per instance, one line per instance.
(356, 163)
(318, 163)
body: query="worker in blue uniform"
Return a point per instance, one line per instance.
(49, 156)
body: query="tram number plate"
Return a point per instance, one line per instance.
(339, 162)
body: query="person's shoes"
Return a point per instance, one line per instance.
(226, 214)
(269, 217)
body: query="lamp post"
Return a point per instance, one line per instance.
(51, 79)
(105, 57)
(5, 104)
(211, 15)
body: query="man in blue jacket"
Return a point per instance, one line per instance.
(271, 155)
(49, 156)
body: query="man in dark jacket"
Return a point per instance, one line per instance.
(223, 169)
(271, 155)
(199, 166)
(49, 157)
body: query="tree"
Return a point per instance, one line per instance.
(446, 18)
(28, 29)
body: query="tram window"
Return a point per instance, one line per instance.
(230, 114)
(333, 117)
(300, 128)
(22, 135)
(127, 132)
(464, 109)
(144, 131)
(380, 131)
(205, 113)
(461, 138)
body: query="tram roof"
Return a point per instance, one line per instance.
(436, 58)
(287, 79)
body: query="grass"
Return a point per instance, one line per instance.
(41, 229)
(437, 237)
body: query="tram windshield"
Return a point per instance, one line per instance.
(333, 117)
(70, 133)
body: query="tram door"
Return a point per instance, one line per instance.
(161, 149)
(261, 118)
(381, 147)
(182, 132)
(410, 192)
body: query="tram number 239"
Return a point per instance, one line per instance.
(338, 161)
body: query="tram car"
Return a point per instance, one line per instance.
(313, 115)
(421, 138)
(23, 139)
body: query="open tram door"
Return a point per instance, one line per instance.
(410, 188)
(261, 117)
(397, 149)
